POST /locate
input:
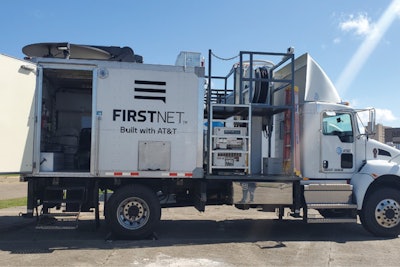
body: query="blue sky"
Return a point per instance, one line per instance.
(356, 42)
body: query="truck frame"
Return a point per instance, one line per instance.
(80, 122)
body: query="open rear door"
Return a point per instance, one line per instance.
(17, 115)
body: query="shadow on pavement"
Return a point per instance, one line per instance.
(265, 233)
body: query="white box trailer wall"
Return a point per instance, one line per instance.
(17, 107)
(150, 120)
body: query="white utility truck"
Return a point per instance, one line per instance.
(79, 121)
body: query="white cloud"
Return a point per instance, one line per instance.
(360, 24)
(337, 40)
(385, 116)
(396, 8)
(373, 34)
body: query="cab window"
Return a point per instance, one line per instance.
(338, 124)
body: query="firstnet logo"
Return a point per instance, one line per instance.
(150, 90)
(154, 91)
(152, 116)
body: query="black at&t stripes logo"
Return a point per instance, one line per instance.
(150, 90)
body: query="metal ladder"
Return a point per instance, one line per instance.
(66, 201)
(334, 201)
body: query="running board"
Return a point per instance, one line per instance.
(349, 217)
(331, 220)
(57, 221)
(331, 206)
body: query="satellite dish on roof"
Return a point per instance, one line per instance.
(65, 50)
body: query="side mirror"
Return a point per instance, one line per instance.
(371, 122)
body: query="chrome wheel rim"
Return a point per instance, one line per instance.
(133, 213)
(387, 213)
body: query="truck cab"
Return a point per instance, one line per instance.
(338, 156)
(324, 143)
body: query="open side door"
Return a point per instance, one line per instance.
(17, 114)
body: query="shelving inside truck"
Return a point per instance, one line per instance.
(66, 120)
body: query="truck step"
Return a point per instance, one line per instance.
(331, 206)
(64, 220)
(328, 187)
(61, 188)
(333, 212)
(61, 201)
(331, 220)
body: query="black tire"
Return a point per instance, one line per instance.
(132, 212)
(381, 213)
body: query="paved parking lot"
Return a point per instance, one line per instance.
(223, 236)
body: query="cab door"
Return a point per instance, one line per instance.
(337, 144)
(17, 114)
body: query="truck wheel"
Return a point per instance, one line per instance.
(132, 212)
(381, 213)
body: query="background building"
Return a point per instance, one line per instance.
(387, 135)
(380, 133)
(392, 137)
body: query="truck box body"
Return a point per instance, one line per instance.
(17, 111)
(102, 118)
(149, 121)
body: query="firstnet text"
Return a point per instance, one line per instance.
(129, 115)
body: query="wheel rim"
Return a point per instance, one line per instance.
(387, 213)
(133, 213)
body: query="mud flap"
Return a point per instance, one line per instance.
(200, 195)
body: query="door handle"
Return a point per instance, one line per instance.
(325, 164)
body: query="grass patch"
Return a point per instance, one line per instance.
(15, 202)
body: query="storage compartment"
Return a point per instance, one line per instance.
(262, 192)
(66, 110)
(154, 156)
(328, 193)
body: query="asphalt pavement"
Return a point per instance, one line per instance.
(221, 236)
(11, 218)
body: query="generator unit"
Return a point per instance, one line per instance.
(230, 147)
